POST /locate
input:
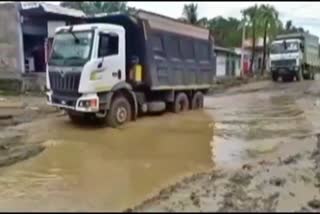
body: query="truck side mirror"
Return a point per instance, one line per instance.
(301, 47)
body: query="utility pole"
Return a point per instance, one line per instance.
(242, 49)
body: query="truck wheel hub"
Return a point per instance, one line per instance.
(122, 114)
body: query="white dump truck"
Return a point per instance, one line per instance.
(114, 67)
(294, 55)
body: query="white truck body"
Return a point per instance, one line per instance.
(94, 79)
(294, 55)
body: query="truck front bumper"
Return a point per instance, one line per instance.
(86, 103)
(285, 71)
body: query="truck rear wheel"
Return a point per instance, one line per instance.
(307, 76)
(181, 103)
(120, 112)
(197, 101)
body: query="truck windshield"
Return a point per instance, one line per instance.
(287, 47)
(71, 49)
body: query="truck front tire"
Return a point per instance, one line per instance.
(299, 75)
(120, 112)
(274, 77)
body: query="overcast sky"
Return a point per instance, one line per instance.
(304, 14)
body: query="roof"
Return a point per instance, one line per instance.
(295, 35)
(53, 9)
(81, 27)
(225, 50)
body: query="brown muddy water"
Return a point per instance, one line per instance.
(86, 168)
(253, 125)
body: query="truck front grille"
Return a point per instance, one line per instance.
(67, 83)
(283, 63)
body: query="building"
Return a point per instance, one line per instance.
(227, 63)
(26, 40)
(257, 64)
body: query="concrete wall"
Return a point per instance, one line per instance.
(225, 63)
(238, 66)
(10, 43)
(221, 65)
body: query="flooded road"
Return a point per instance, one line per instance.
(265, 148)
(102, 169)
(253, 124)
(260, 154)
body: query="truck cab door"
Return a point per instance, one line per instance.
(109, 64)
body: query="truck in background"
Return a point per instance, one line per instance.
(294, 55)
(114, 67)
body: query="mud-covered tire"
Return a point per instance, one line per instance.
(181, 103)
(312, 76)
(299, 75)
(274, 77)
(307, 76)
(197, 101)
(288, 78)
(120, 112)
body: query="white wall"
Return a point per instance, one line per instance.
(221, 65)
(238, 67)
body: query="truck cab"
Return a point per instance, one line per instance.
(286, 58)
(86, 61)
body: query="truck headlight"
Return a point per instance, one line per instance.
(88, 103)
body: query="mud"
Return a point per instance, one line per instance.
(95, 168)
(265, 150)
(15, 111)
(254, 148)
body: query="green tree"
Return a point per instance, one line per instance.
(269, 19)
(190, 13)
(204, 22)
(226, 31)
(95, 7)
(290, 28)
(288, 25)
(251, 17)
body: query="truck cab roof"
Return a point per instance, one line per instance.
(81, 27)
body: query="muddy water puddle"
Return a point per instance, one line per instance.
(103, 169)
(253, 125)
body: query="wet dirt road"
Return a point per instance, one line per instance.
(87, 168)
(265, 149)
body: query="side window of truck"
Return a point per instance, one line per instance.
(108, 45)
